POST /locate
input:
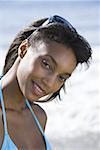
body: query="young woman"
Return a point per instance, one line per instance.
(39, 61)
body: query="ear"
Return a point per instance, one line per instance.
(23, 48)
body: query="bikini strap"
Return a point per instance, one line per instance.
(33, 114)
(3, 108)
(48, 147)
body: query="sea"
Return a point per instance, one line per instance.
(74, 122)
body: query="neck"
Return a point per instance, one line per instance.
(13, 97)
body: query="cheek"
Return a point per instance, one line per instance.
(37, 70)
(23, 72)
(22, 69)
(21, 75)
(58, 87)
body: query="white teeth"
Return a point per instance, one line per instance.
(37, 87)
(37, 90)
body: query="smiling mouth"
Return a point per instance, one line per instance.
(37, 90)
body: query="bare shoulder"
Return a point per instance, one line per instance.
(40, 114)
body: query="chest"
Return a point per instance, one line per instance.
(23, 130)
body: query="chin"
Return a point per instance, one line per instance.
(31, 98)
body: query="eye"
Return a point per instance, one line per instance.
(62, 78)
(46, 64)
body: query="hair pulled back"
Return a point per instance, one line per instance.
(50, 32)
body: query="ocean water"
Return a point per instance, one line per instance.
(74, 123)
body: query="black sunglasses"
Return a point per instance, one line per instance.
(61, 20)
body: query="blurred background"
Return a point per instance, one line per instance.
(74, 122)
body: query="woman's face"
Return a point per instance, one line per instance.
(44, 69)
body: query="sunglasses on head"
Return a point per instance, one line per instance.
(58, 19)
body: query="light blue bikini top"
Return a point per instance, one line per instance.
(8, 144)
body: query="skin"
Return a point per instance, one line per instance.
(39, 70)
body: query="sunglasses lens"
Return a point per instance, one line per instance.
(62, 21)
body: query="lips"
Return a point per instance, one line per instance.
(37, 90)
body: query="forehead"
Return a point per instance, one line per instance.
(64, 56)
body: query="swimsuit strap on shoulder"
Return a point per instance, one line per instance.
(33, 114)
(48, 147)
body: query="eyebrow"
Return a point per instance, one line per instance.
(55, 63)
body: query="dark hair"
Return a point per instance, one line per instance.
(51, 32)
